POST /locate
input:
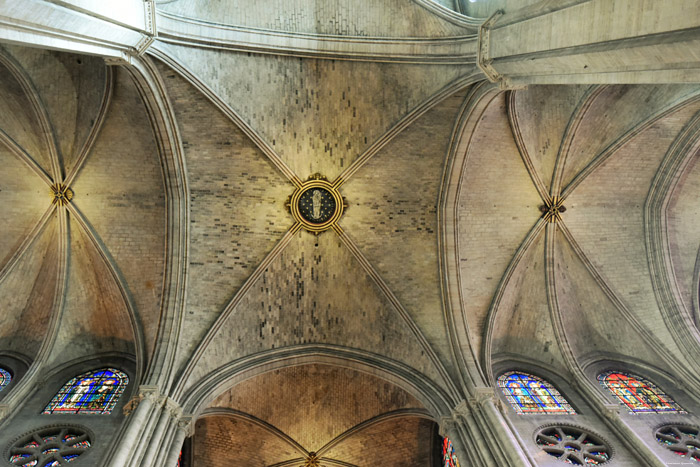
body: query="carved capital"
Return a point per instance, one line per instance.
(151, 393)
(446, 425)
(186, 422)
(482, 395)
(173, 408)
(461, 410)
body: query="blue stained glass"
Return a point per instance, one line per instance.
(5, 378)
(96, 392)
(529, 394)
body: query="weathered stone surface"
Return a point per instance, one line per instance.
(27, 295)
(237, 207)
(120, 190)
(315, 291)
(95, 318)
(334, 17)
(314, 404)
(498, 205)
(318, 115)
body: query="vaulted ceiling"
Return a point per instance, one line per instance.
(442, 266)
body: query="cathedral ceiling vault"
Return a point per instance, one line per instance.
(145, 219)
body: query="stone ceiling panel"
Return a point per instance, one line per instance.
(388, 18)
(317, 115)
(71, 87)
(222, 440)
(397, 442)
(18, 118)
(606, 216)
(24, 198)
(27, 294)
(121, 193)
(315, 403)
(497, 207)
(237, 212)
(594, 326)
(683, 223)
(542, 115)
(315, 291)
(523, 323)
(95, 318)
(614, 112)
(402, 206)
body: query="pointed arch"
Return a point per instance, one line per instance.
(638, 394)
(528, 394)
(94, 392)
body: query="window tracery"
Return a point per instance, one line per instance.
(528, 394)
(681, 440)
(94, 392)
(573, 445)
(638, 394)
(49, 447)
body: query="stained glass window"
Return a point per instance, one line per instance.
(96, 392)
(531, 395)
(5, 378)
(448, 454)
(637, 393)
(49, 447)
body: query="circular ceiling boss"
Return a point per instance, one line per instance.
(317, 204)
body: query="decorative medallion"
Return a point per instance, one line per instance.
(56, 445)
(552, 209)
(61, 194)
(317, 204)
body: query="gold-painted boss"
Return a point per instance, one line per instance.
(317, 204)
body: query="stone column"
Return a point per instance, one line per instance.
(184, 427)
(109, 29)
(169, 415)
(480, 435)
(138, 427)
(593, 41)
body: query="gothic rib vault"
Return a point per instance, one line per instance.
(177, 261)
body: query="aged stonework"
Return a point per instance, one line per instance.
(342, 233)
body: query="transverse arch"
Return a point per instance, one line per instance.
(638, 394)
(94, 392)
(529, 394)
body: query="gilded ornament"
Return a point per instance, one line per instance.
(317, 204)
(552, 209)
(61, 194)
(312, 460)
